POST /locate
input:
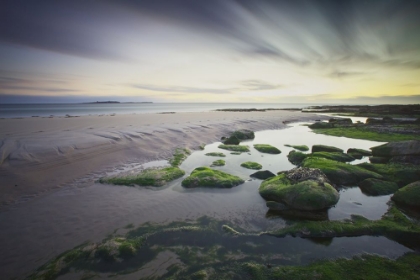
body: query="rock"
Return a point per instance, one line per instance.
(232, 140)
(408, 195)
(300, 188)
(268, 149)
(302, 148)
(273, 205)
(411, 159)
(402, 174)
(251, 165)
(235, 148)
(356, 155)
(340, 120)
(263, 174)
(324, 148)
(341, 157)
(207, 177)
(373, 121)
(387, 120)
(359, 151)
(296, 157)
(219, 162)
(410, 147)
(214, 154)
(378, 159)
(244, 134)
(375, 187)
(319, 125)
(340, 173)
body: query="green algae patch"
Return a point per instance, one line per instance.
(266, 148)
(251, 165)
(341, 173)
(341, 157)
(313, 193)
(219, 162)
(214, 154)
(235, 153)
(303, 148)
(235, 148)
(179, 156)
(149, 177)
(362, 132)
(376, 187)
(207, 177)
(408, 195)
(325, 148)
(402, 174)
(359, 267)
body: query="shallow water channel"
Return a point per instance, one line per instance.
(34, 232)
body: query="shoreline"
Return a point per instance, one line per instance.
(40, 155)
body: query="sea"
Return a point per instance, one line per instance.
(83, 109)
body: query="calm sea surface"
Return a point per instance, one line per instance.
(74, 109)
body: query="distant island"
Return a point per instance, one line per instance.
(111, 102)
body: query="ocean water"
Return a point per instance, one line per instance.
(81, 109)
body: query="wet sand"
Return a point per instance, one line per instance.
(39, 155)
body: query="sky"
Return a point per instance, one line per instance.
(313, 51)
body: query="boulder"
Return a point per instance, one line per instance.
(324, 148)
(244, 134)
(266, 148)
(408, 195)
(379, 159)
(401, 148)
(375, 187)
(207, 177)
(232, 140)
(341, 157)
(359, 151)
(300, 188)
(340, 173)
(319, 125)
(251, 165)
(265, 174)
(411, 159)
(296, 157)
(340, 120)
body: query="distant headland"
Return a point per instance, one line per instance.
(111, 102)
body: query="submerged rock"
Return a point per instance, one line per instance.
(251, 165)
(207, 177)
(408, 195)
(300, 188)
(265, 174)
(340, 173)
(375, 187)
(324, 148)
(219, 162)
(266, 148)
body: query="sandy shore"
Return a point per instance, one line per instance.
(38, 155)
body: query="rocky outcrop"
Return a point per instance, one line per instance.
(401, 152)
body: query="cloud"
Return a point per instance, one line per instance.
(344, 74)
(255, 85)
(180, 89)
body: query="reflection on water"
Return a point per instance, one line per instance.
(47, 226)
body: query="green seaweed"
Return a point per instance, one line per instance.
(207, 177)
(266, 148)
(148, 177)
(303, 148)
(362, 132)
(402, 174)
(375, 187)
(214, 154)
(179, 156)
(251, 165)
(235, 148)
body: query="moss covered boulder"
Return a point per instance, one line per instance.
(359, 151)
(318, 125)
(410, 147)
(340, 120)
(324, 148)
(232, 140)
(235, 148)
(300, 188)
(214, 154)
(376, 187)
(244, 134)
(251, 165)
(266, 148)
(207, 177)
(296, 157)
(303, 148)
(402, 174)
(148, 177)
(219, 162)
(341, 173)
(408, 195)
(264, 174)
(341, 157)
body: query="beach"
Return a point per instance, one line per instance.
(41, 154)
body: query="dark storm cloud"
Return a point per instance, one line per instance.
(300, 32)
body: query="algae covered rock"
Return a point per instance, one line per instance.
(214, 154)
(148, 177)
(266, 148)
(300, 188)
(207, 177)
(324, 148)
(219, 162)
(408, 195)
(303, 148)
(359, 151)
(375, 187)
(340, 173)
(402, 174)
(341, 157)
(252, 165)
(379, 159)
(340, 120)
(296, 157)
(244, 134)
(410, 147)
(265, 174)
(318, 125)
(232, 140)
(235, 148)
